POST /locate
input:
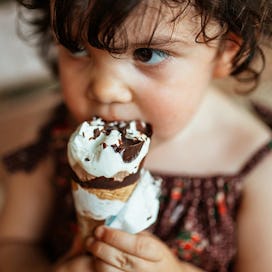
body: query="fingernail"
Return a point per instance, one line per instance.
(99, 232)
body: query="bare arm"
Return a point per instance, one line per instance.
(255, 221)
(23, 218)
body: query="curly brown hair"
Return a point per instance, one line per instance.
(251, 20)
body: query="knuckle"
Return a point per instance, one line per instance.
(142, 245)
(124, 262)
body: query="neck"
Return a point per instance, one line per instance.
(208, 145)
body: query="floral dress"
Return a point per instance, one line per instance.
(197, 217)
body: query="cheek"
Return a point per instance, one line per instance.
(172, 108)
(73, 90)
(170, 111)
(70, 95)
(171, 120)
(77, 105)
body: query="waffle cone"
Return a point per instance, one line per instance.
(87, 225)
(121, 194)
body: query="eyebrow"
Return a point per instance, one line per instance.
(158, 41)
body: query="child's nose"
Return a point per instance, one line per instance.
(109, 89)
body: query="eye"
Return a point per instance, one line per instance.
(80, 53)
(150, 56)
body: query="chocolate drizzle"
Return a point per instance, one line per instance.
(106, 183)
(129, 148)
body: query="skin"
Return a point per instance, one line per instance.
(124, 87)
(174, 94)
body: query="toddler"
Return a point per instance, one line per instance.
(153, 60)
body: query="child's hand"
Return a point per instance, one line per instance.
(119, 251)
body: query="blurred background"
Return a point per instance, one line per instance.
(24, 82)
(28, 91)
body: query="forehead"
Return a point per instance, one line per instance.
(154, 20)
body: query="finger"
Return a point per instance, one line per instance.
(142, 246)
(118, 259)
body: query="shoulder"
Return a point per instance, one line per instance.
(238, 132)
(255, 220)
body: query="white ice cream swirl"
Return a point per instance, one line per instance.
(94, 147)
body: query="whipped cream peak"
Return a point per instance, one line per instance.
(107, 148)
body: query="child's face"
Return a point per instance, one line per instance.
(163, 84)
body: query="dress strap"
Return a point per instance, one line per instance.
(26, 158)
(263, 112)
(257, 157)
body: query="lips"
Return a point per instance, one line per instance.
(115, 111)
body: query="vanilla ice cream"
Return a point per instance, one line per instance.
(109, 183)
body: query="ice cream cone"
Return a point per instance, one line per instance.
(106, 159)
(121, 194)
(86, 220)
(87, 225)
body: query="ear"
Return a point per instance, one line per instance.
(227, 51)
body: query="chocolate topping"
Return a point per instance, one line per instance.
(128, 148)
(132, 151)
(106, 183)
